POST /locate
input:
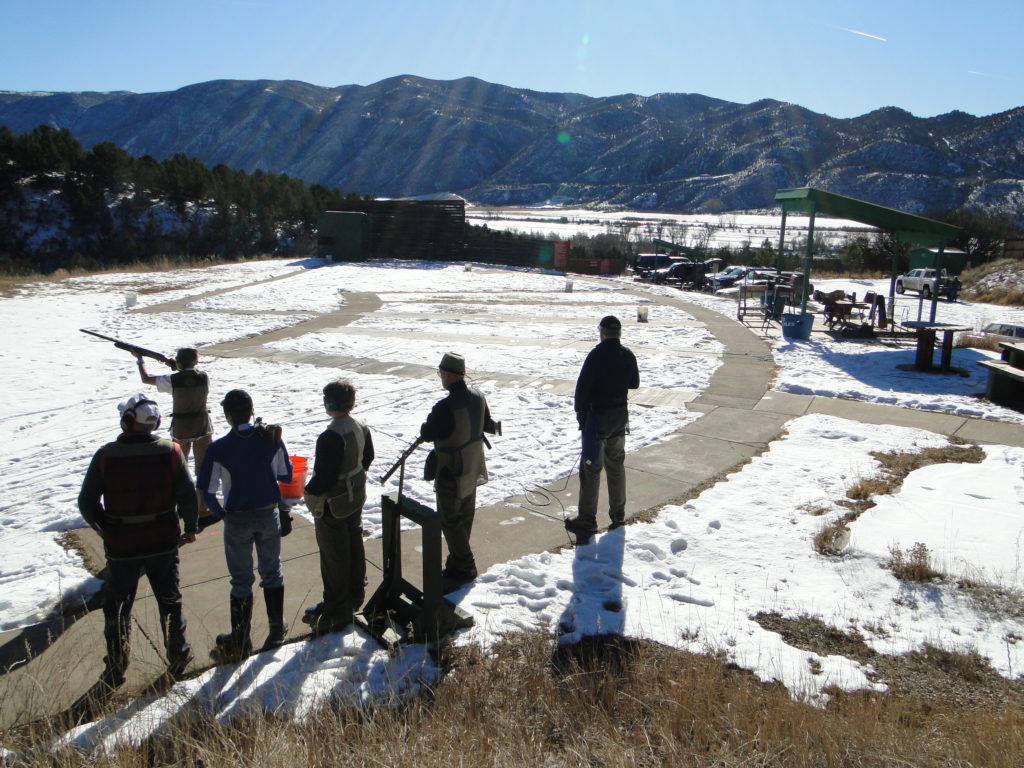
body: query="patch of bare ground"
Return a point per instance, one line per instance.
(937, 680)
(894, 466)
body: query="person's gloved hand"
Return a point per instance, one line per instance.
(286, 520)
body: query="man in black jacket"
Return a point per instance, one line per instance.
(133, 494)
(608, 373)
(456, 427)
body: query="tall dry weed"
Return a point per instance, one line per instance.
(608, 701)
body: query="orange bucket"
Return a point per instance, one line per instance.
(293, 490)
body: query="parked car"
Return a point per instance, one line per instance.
(648, 263)
(725, 278)
(998, 332)
(928, 282)
(685, 275)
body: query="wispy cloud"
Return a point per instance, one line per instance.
(863, 34)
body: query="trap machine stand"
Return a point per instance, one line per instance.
(398, 612)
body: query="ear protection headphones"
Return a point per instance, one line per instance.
(128, 414)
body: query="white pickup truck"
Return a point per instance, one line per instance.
(926, 281)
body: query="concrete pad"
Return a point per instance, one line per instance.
(995, 432)
(784, 403)
(872, 413)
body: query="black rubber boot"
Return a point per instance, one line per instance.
(116, 630)
(274, 598)
(179, 652)
(237, 644)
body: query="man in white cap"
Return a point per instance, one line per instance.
(602, 393)
(456, 426)
(133, 494)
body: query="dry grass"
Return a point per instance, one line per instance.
(896, 465)
(832, 538)
(10, 283)
(914, 564)
(973, 342)
(996, 282)
(614, 702)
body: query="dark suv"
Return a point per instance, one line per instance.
(647, 264)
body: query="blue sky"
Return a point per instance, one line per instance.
(841, 57)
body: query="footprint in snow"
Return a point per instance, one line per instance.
(715, 524)
(678, 546)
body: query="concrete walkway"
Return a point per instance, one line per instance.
(52, 664)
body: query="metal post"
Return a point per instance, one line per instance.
(782, 242)
(896, 248)
(807, 265)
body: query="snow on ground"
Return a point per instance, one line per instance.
(733, 230)
(876, 372)
(692, 577)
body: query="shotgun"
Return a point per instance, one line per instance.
(135, 350)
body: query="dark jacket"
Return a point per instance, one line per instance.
(608, 373)
(246, 464)
(456, 426)
(144, 486)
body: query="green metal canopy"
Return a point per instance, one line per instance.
(905, 227)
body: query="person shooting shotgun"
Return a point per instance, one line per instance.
(191, 427)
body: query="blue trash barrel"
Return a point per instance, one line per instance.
(796, 325)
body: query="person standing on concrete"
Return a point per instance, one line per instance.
(456, 426)
(133, 494)
(188, 387)
(247, 464)
(335, 496)
(602, 394)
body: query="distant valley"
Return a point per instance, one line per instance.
(495, 145)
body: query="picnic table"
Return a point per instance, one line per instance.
(926, 334)
(840, 311)
(1006, 376)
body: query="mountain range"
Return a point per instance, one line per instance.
(496, 145)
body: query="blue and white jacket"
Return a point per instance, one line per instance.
(246, 467)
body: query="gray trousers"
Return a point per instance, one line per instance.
(342, 564)
(456, 525)
(611, 456)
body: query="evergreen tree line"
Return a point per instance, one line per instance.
(62, 206)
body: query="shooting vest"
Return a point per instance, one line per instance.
(190, 418)
(460, 456)
(348, 493)
(139, 517)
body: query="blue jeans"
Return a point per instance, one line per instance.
(243, 529)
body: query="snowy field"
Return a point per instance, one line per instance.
(733, 230)
(691, 578)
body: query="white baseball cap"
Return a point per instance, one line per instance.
(142, 410)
